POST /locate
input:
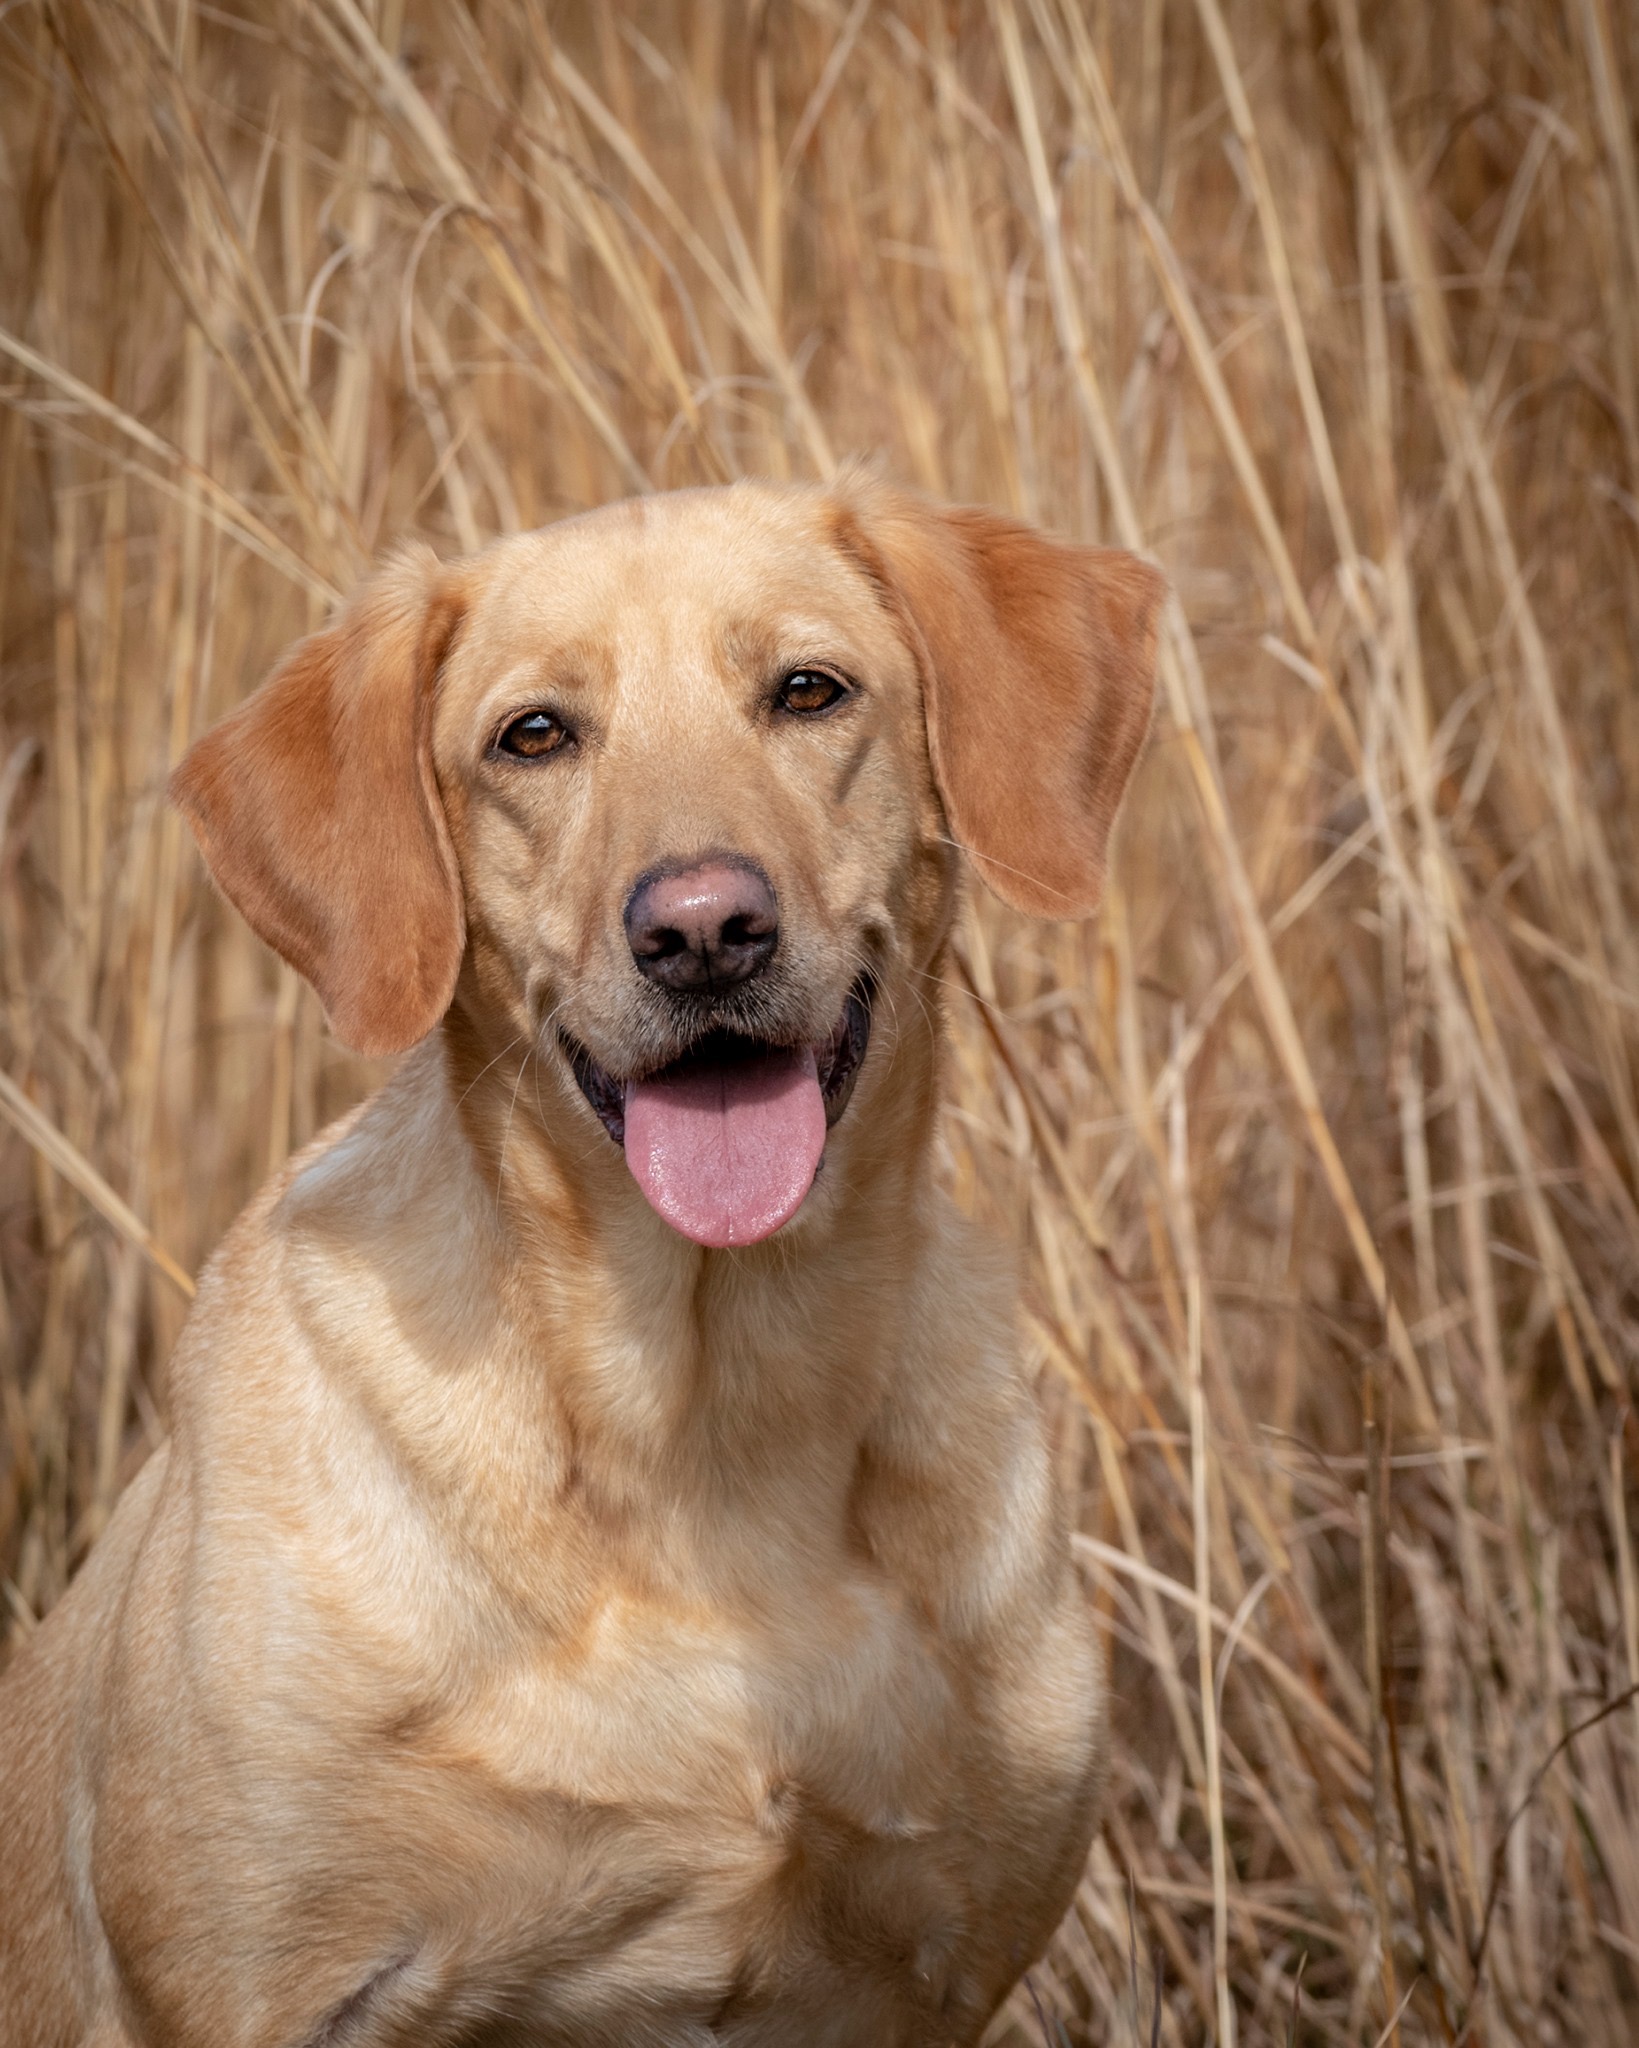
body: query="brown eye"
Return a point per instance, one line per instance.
(535, 734)
(807, 690)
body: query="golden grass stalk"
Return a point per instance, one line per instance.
(1323, 1143)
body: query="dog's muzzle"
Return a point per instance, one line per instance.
(725, 1140)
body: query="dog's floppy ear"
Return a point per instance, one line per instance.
(1038, 662)
(316, 806)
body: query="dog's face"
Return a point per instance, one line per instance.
(680, 748)
(669, 793)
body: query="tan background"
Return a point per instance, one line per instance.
(1322, 1142)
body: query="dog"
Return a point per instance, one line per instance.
(605, 1583)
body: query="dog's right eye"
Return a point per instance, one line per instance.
(535, 734)
(809, 691)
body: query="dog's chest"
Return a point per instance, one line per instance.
(718, 1823)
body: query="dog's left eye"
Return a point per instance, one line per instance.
(807, 690)
(533, 735)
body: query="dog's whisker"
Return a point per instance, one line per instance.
(506, 1129)
(991, 860)
(484, 1069)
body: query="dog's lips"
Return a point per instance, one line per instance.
(725, 1140)
(840, 1057)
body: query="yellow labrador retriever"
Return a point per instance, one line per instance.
(605, 1585)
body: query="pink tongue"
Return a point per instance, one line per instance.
(726, 1150)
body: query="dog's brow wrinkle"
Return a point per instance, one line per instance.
(520, 672)
(851, 767)
(340, 2023)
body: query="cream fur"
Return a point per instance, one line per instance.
(538, 1629)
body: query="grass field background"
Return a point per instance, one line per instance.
(1323, 1141)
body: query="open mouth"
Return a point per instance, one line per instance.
(726, 1140)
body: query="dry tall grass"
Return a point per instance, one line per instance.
(1324, 1140)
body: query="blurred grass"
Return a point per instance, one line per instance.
(1323, 1140)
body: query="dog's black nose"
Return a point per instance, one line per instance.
(704, 930)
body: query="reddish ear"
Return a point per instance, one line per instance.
(1038, 663)
(316, 806)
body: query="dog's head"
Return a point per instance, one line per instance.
(669, 793)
